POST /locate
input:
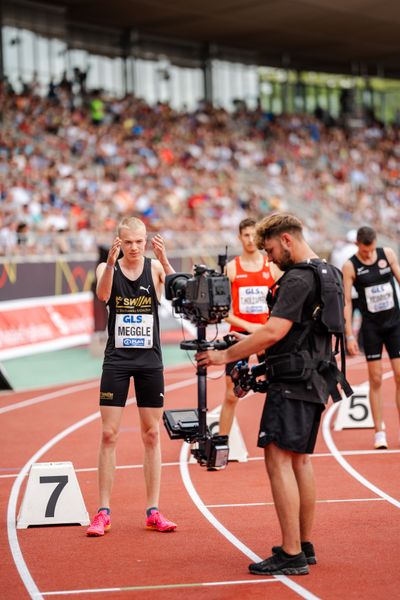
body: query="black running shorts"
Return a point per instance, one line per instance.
(149, 387)
(290, 424)
(375, 337)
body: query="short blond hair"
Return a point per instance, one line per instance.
(130, 223)
(274, 225)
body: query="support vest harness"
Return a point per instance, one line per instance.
(327, 316)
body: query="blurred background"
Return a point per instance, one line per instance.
(192, 116)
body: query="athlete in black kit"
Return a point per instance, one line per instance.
(131, 287)
(373, 271)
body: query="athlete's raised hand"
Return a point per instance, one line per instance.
(160, 253)
(158, 245)
(114, 252)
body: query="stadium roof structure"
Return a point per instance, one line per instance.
(343, 36)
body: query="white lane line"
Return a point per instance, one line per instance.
(167, 586)
(326, 431)
(331, 501)
(198, 502)
(343, 452)
(16, 552)
(67, 390)
(357, 453)
(94, 469)
(49, 396)
(176, 464)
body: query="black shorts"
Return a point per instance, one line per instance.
(291, 424)
(374, 338)
(149, 387)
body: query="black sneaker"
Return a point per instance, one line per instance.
(308, 550)
(279, 564)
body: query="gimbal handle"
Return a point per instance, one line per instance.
(203, 344)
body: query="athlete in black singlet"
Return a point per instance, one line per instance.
(131, 288)
(373, 271)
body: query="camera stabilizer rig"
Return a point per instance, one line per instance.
(203, 299)
(210, 450)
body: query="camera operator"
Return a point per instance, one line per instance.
(251, 275)
(292, 411)
(131, 287)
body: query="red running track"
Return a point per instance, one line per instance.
(225, 519)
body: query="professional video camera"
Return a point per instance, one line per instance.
(245, 378)
(204, 299)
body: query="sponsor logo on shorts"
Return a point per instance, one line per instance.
(133, 342)
(106, 395)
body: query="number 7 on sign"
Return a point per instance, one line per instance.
(62, 481)
(43, 505)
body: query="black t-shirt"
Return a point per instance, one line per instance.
(296, 297)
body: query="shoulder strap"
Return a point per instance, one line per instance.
(331, 302)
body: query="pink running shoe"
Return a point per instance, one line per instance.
(158, 522)
(100, 524)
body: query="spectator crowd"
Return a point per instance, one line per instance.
(70, 170)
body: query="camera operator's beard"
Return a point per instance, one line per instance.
(285, 260)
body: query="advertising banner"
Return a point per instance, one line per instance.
(45, 278)
(45, 324)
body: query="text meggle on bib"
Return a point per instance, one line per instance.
(133, 331)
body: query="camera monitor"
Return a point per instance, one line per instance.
(181, 423)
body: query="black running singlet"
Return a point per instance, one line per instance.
(379, 304)
(133, 324)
